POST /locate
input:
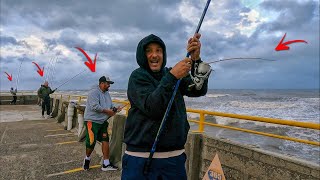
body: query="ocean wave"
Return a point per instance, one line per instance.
(314, 101)
(115, 92)
(262, 105)
(248, 94)
(308, 134)
(120, 99)
(227, 120)
(216, 95)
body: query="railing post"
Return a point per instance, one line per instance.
(127, 109)
(201, 125)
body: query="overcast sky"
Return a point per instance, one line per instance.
(46, 32)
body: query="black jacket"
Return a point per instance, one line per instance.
(149, 94)
(44, 92)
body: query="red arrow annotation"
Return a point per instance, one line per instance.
(40, 71)
(91, 65)
(283, 46)
(9, 77)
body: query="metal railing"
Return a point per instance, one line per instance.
(18, 93)
(307, 125)
(202, 114)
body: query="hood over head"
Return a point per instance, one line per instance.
(141, 56)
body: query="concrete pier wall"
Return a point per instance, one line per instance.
(21, 99)
(238, 161)
(244, 162)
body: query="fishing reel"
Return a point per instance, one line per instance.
(201, 73)
(114, 109)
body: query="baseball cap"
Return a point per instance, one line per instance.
(105, 79)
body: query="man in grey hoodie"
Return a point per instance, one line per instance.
(99, 109)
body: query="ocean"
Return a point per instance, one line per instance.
(298, 105)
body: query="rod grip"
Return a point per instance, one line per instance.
(147, 165)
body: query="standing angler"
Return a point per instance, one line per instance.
(14, 95)
(149, 91)
(44, 94)
(99, 108)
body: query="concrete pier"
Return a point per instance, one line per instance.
(35, 148)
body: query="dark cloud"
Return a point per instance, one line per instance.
(5, 40)
(292, 14)
(98, 15)
(118, 26)
(70, 38)
(9, 40)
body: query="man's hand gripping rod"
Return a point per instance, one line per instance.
(147, 164)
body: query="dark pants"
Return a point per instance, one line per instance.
(161, 169)
(14, 100)
(46, 106)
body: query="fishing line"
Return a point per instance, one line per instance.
(18, 77)
(54, 70)
(51, 69)
(240, 58)
(47, 71)
(70, 79)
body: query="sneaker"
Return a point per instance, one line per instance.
(49, 116)
(86, 163)
(42, 116)
(109, 167)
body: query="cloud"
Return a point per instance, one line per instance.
(96, 16)
(70, 38)
(5, 40)
(42, 31)
(291, 14)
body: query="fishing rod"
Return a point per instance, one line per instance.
(116, 109)
(51, 64)
(52, 69)
(240, 58)
(49, 70)
(147, 164)
(18, 77)
(70, 79)
(46, 76)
